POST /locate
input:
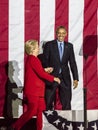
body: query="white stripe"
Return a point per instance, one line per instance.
(76, 9)
(16, 44)
(16, 39)
(47, 20)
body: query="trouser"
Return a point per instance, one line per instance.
(64, 92)
(36, 105)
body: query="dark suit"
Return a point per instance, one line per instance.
(52, 59)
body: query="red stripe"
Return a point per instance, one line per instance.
(90, 50)
(32, 20)
(3, 50)
(61, 13)
(61, 18)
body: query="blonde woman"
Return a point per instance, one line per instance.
(34, 86)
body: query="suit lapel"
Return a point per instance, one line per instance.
(65, 51)
(56, 51)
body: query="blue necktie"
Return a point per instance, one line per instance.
(61, 51)
(61, 54)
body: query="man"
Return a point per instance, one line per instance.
(59, 54)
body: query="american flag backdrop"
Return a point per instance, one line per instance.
(21, 20)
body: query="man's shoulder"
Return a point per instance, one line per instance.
(52, 41)
(68, 44)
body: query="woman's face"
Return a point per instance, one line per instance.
(35, 50)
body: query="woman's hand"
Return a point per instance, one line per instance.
(48, 69)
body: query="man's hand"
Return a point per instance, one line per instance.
(48, 69)
(57, 80)
(75, 84)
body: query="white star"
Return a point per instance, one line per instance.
(95, 126)
(63, 125)
(56, 122)
(49, 112)
(70, 127)
(81, 127)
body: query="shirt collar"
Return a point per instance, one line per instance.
(60, 42)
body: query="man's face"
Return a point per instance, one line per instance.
(61, 34)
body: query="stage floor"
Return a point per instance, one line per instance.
(31, 124)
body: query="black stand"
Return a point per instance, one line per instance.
(85, 108)
(85, 94)
(89, 49)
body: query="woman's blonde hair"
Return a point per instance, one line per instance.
(29, 44)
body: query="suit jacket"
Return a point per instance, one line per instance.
(52, 59)
(35, 76)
